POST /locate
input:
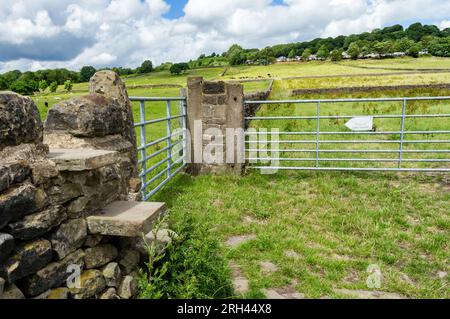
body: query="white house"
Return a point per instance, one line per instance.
(281, 59)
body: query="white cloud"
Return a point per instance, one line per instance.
(66, 33)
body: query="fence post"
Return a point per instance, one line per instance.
(217, 106)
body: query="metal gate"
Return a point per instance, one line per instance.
(408, 134)
(161, 141)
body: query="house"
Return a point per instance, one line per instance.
(346, 56)
(398, 54)
(423, 52)
(281, 59)
(312, 57)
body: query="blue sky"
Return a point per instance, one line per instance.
(36, 34)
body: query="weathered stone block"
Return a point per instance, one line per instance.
(61, 194)
(53, 275)
(93, 240)
(12, 293)
(13, 173)
(129, 260)
(127, 219)
(20, 121)
(213, 87)
(110, 293)
(110, 85)
(6, 246)
(135, 185)
(42, 171)
(92, 115)
(56, 294)
(27, 259)
(17, 202)
(35, 225)
(99, 256)
(2, 287)
(112, 274)
(128, 287)
(70, 236)
(92, 283)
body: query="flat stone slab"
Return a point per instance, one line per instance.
(125, 219)
(82, 159)
(235, 241)
(368, 294)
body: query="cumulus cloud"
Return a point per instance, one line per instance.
(66, 33)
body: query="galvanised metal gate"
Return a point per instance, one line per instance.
(409, 134)
(161, 140)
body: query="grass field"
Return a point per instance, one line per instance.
(314, 233)
(321, 231)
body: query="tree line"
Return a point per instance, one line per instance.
(385, 41)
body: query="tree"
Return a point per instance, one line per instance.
(306, 54)
(86, 73)
(292, 54)
(3, 83)
(336, 55)
(53, 86)
(23, 87)
(43, 85)
(353, 50)
(440, 47)
(323, 52)
(414, 51)
(146, 67)
(68, 85)
(179, 68)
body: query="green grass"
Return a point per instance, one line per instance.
(337, 223)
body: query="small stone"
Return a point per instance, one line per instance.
(53, 275)
(27, 259)
(128, 287)
(235, 241)
(2, 286)
(56, 294)
(135, 185)
(161, 240)
(17, 202)
(240, 283)
(13, 173)
(6, 246)
(91, 283)
(442, 274)
(93, 240)
(36, 225)
(43, 171)
(272, 294)
(291, 254)
(112, 274)
(367, 294)
(13, 293)
(129, 260)
(110, 293)
(268, 267)
(99, 256)
(78, 207)
(70, 236)
(61, 194)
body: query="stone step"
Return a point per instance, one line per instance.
(126, 219)
(82, 159)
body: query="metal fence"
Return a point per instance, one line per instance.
(159, 165)
(322, 141)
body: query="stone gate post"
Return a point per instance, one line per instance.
(215, 118)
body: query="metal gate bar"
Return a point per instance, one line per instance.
(402, 141)
(149, 165)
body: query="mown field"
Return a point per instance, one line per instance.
(308, 234)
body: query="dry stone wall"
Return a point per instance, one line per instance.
(50, 185)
